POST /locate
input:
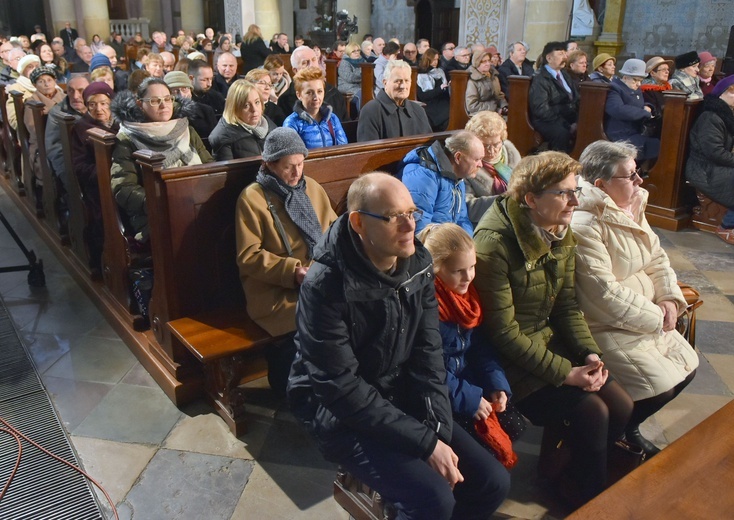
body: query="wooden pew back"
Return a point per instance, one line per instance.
(12, 146)
(25, 153)
(519, 129)
(593, 99)
(458, 117)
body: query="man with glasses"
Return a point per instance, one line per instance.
(410, 54)
(460, 61)
(516, 64)
(435, 177)
(201, 116)
(627, 113)
(10, 59)
(376, 402)
(447, 52)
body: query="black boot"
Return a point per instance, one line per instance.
(634, 436)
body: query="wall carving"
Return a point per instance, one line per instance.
(393, 19)
(482, 22)
(233, 17)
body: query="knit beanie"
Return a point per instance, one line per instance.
(723, 85)
(686, 60)
(177, 79)
(99, 60)
(97, 87)
(42, 71)
(27, 60)
(281, 142)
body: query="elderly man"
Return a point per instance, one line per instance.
(74, 57)
(434, 176)
(202, 76)
(72, 105)
(279, 219)
(460, 61)
(515, 65)
(160, 43)
(391, 113)
(68, 35)
(58, 47)
(447, 52)
(301, 58)
(377, 45)
(377, 404)
(169, 61)
(410, 54)
(9, 74)
(226, 73)
(120, 76)
(554, 99)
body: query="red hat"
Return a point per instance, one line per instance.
(97, 87)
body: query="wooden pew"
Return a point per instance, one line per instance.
(50, 193)
(519, 129)
(368, 82)
(12, 147)
(593, 99)
(332, 75)
(668, 206)
(458, 116)
(27, 174)
(190, 213)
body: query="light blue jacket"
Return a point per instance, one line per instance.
(316, 135)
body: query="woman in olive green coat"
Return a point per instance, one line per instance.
(525, 278)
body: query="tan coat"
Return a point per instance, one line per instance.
(24, 86)
(267, 273)
(622, 273)
(483, 92)
(48, 103)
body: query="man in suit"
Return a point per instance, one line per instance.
(68, 34)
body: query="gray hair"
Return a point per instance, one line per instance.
(392, 65)
(601, 159)
(460, 142)
(294, 55)
(511, 47)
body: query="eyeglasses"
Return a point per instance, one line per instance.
(410, 52)
(463, 55)
(493, 146)
(265, 84)
(450, 48)
(565, 194)
(101, 104)
(630, 177)
(412, 216)
(155, 101)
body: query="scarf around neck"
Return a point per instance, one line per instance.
(171, 138)
(499, 171)
(260, 130)
(462, 309)
(297, 205)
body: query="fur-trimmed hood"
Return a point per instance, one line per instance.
(716, 105)
(126, 110)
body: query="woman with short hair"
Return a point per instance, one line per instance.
(261, 79)
(577, 65)
(350, 73)
(483, 91)
(653, 86)
(525, 278)
(278, 75)
(626, 287)
(242, 130)
(433, 90)
(706, 70)
(604, 68)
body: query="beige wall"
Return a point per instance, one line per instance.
(96, 19)
(545, 20)
(192, 16)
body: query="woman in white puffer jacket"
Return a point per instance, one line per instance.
(626, 287)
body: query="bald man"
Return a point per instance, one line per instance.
(226, 73)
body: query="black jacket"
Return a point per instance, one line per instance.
(508, 69)
(234, 142)
(254, 54)
(332, 97)
(203, 120)
(381, 118)
(220, 84)
(452, 64)
(710, 166)
(212, 98)
(549, 102)
(370, 359)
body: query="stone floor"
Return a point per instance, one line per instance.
(160, 462)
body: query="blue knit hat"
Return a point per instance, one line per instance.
(99, 60)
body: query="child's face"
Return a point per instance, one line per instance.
(457, 271)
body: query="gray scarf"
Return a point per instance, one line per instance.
(297, 205)
(170, 138)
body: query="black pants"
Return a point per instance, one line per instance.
(419, 492)
(556, 133)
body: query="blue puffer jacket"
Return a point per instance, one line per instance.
(468, 375)
(429, 176)
(316, 135)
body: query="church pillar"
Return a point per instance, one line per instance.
(63, 11)
(192, 16)
(610, 39)
(96, 19)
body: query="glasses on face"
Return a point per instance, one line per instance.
(450, 48)
(463, 55)
(412, 216)
(630, 177)
(98, 104)
(155, 101)
(264, 84)
(493, 146)
(410, 52)
(565, 194)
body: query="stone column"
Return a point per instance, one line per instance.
(610, 39)
(361, 10)
(192, 16)
(96, 19)
(63, 11)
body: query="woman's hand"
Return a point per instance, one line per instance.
(483, 411)
(590, 377)
(670, 315)
(498, 398)
(300, 274)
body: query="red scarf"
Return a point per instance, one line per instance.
(462, 309)
(490, 431)
(499, 186)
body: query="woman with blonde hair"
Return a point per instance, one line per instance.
(499, 159)
(278, 75)
(242, 130)
(350, 73)
(253, 48)
(261, 79)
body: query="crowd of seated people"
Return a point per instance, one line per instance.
(557, 345)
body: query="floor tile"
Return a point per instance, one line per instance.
(137, 375)
(183, 485)
(696, 240)
(707, 380)
(686, 411)
(716, 307)
(131, 413)
(94, 359)
(699, 281)
(46, 349)
(67, 317)
(208, 433)
(711, 261)
(115, 465)
(714, 337)
(679, 261)
(724, 366)
(724, 280)
(75, 400)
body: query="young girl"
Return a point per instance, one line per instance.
(476, 382)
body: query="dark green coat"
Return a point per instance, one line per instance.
(531, 317)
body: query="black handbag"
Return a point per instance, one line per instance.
(624, 457)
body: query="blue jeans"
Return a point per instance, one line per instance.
(419, 492)
(728, 220)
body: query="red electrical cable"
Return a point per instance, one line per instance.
(18, 436)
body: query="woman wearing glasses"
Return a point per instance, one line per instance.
(150, 120)
(626, 287)
(271, 110)
(627, 113)
(525, 279)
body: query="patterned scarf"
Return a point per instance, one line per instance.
(462, 309)
(171, 138)
(499, 171)
(297, 205)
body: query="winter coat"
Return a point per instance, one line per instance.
(266, 270)
(598, 77)
(688, 84)
(369, 360)
(625, 116)
(428, 174)
(127, 177)
(527, 291)
(212, 98)
(622, 273)
(381, 118)
(350, 78)
(235, 141)
(254, 54)
(480, 190)
(483, 92)
(332, 97)
(710, 166)
(25, 87)
(550, 102)
(54, 151)
(508, 68)
(327, 132)
(433, 91)
(468, 380)
(48, 104)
